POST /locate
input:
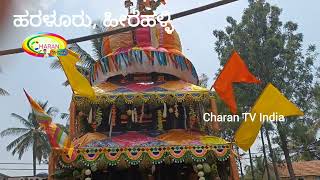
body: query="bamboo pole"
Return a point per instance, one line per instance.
(274, 162)
(52, 165)
(251, 165)
(264, 153)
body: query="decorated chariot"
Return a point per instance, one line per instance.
(146, 122)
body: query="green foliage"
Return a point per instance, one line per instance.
(30, 135)
(203, 80)
(3, 92)
(303, 137)
(258, 168)
(85, 126)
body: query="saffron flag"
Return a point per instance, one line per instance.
(79, 84)
(57, 137)
(235, 71)
(270, 102)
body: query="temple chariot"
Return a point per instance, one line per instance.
(146, 123)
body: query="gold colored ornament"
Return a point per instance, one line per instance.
(113, 116)
(160, 125)
(129, 112)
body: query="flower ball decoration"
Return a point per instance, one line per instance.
(200, 173)
(129, 112)
(87, 172)
(199, 166)
(206, 168)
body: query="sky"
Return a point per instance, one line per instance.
(24, 71)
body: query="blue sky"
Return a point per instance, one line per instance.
(33, 74)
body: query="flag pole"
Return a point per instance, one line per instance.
(275, 169)
(240, 163)
(251, 165)
(264, 152)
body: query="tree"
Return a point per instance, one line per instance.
(273, 52)
(304, 135)
(2, 91)
(258, 168)
(203, 80)
(30, 135)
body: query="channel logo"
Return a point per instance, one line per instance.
(45, 45)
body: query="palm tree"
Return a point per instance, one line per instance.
(86, 60)
(30, 135)
(2, 91)
(65, 127)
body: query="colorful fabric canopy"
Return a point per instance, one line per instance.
(146, 87)
(181, 137)
(135, 147)
(89, 137)
(131, 139)
(135, 139)
(179, 90)
(155, 37)
(146, 50)
(144, 60)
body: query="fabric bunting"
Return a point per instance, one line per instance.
(235, 71)
(270, 101)
(137, 60)
(79, 84)
(136, 147)
(57, 137)
(111, 93)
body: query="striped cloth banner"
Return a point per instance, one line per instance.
(57, 137)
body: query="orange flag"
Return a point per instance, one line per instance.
(235, 71)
